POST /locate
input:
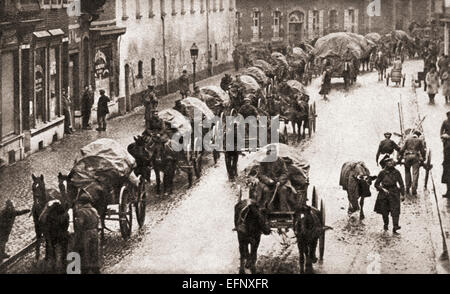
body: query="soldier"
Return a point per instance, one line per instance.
(86, 220)
(156, 125)
(197, 93)
(102, 111)
(390, 185)
(7, 217)
(387, 146)
(236, 57)
(445, 136)
(184, 84)
(226, 82)
(413, 151)
(87, 100)
(248, 109)
(150, 103)
(180, 107)
(274, 180)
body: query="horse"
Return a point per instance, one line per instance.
(381, 65)
(143, 159)
(356, 180)
(51, 205)
(250, 223)
(298, 114)
(308, 228)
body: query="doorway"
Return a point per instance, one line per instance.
(74, 80)
(296, 27)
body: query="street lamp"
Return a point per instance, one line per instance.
(194, 56)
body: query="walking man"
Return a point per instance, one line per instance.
(445, 136)
(150, 103)
(390, 185)
(102, 111)
(87, 100)
(236, 57)
(67, 108)
(413, 151)
(184, 84)
(86, 220)
(386, 147)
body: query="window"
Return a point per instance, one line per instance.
(231, 5)
(183, 11)
(202, 6)
(153, 67)
(351, 20)
(192, 6)
(140, 70)
(214, 5)
(162, 5)
(221, 5)
(150, 9)
(124, 10)
(174, 8)
(276, 24)
(256, 26)
(238, 25)
(138, 9)
(315, 21)
(333, 20)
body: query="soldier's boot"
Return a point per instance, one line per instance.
(395, 220)
(386, 222)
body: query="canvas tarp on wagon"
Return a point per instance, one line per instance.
(400, 35)
(212, 95)
(193, 104)
(336, 45)
(292, 87)
(249, 83)
(258, 74)
(265, 66)
(177, 121)
(366, 44)
(298, 52)
(280, 59)
(374, 37)
(103, 161)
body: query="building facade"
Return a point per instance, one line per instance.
(156, 47)
(295, 21)
(43, 51)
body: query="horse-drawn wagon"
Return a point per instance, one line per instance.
(257, 214)
(106, 172)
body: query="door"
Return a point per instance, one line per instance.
(74, 81)
(127, 87)
(295, 33)
(7, 97)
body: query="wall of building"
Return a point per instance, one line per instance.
(144, 40)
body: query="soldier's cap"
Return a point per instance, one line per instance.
(388, 134)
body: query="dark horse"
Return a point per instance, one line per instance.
(250, 223)
(299, 117)
(381, 64)
(51, 220)
(309, 228)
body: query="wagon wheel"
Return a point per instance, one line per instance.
(314, 199)
(404, 80)
(428, 167)
(322, 237)
(232, 112)
(141, 202)
(387, 79)
(125, 213)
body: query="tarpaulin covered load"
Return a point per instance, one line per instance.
(265, 66)
(352, 168)
(214, 93)
(292, 87)
(400, 35)
(298, 52)
(374, 37)
(366, 44)
(104, 161)
(298, 167)
(176, 121)
(249, 83)
(337, 44)
(194, 104)
(258, 74)
(279, 59)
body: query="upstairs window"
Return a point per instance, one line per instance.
(276, 24)
(256, 25)
(333, 20)
(140, 70)
(316, 21)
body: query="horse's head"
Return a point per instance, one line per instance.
(250, 219)
(308, 223)
(138, 150)
(67, 190)
(56, 217)
(39, 191)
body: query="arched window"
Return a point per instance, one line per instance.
(153, 67)
(140, 70)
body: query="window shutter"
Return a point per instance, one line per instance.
(346, 20)
(356, 20)
(310, 25)
(321, 13)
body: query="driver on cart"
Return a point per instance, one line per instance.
(274, 181)
(248, 109)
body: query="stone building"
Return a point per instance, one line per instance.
(156, 47)
(293, 21)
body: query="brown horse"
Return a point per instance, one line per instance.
(51, 220)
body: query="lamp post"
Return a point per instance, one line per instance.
(194, 55)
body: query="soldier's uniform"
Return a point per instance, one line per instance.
(269, 174)
(87, 243)
(386, 147)
(150, 103)
(413, 151)
(247, 110)
(391, 180)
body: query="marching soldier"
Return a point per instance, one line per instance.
(274, 180)
(445, 136)
(156, 125)
(86, 220)
(390, 185)
(386, 147)
(150, 103)
(413, 151)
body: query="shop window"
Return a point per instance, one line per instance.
(54, 85)
(238, 24)
(7, 91)
(256, 25)
(153, 67)
(140, 70)
(276, 24)
(315, 21)
(333, 19)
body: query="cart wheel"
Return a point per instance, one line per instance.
(322, 237)
(125, 213)
(232, 112)
(141, 202)
(314, 200)
(404, 80)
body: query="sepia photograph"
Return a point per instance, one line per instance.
(224, 137)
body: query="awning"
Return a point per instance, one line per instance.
(109, 30)
(41, 34)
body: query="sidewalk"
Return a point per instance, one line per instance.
(16, 181)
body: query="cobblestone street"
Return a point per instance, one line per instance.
(16, 181)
